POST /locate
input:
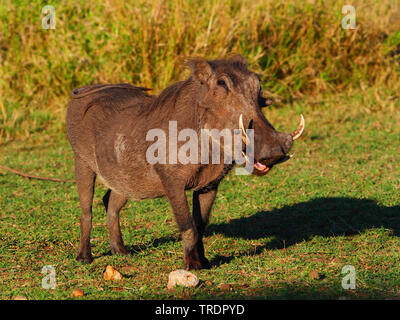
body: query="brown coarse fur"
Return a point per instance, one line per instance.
(107, 127)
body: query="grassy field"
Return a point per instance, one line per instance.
(285, 235)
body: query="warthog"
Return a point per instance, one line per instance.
(107, 127)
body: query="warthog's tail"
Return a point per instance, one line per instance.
(86, 90)
(31, 176)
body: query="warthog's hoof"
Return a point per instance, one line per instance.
(192, 265)
(192, 261)
(84, 258)
(120, 250)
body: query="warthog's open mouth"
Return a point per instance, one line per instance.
(261, 169)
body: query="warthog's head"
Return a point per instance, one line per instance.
(231, 97)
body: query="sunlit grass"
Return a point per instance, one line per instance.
(336, 203)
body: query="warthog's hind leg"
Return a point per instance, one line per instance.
(85, 178)
(114, 203)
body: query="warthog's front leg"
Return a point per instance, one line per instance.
(186, 225)
(174, 188)
(202, 203)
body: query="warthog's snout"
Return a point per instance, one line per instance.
(270, 146)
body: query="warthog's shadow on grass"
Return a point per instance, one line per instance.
(319, 217)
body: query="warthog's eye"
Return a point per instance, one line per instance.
(222, 83)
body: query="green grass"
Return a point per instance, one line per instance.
(336, 203)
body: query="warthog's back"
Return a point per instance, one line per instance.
(92, 109)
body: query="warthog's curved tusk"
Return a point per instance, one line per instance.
(245, 157)
(244, 134)
(297, 133)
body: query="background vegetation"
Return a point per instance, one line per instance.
(286, 235)
(299, 47)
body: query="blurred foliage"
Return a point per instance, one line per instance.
(298, 47)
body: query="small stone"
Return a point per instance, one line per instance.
(112, 274)
(18, 297)
(182, 278)
(77, 293)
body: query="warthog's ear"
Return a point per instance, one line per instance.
(201, 69)
(239, 59)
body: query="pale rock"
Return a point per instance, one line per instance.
(182, 278)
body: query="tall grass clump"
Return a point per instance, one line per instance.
(299, 48)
